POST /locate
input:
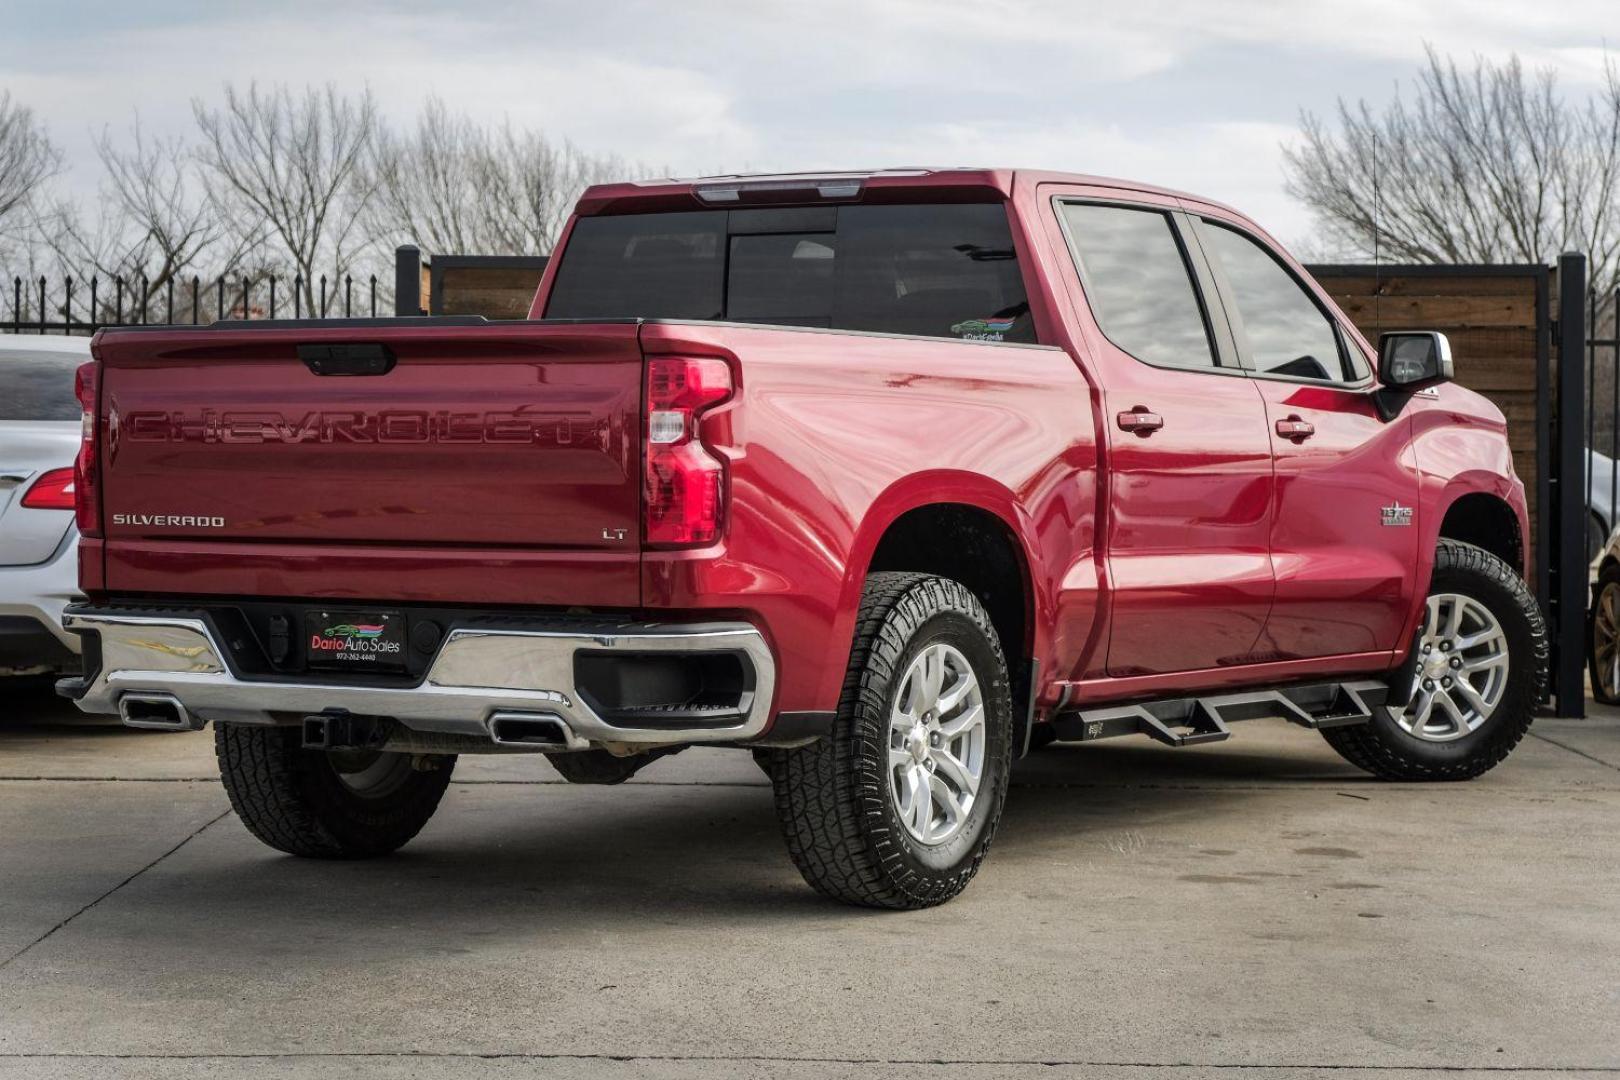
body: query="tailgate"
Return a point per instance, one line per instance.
(508, 455)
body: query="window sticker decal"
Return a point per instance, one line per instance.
(992, 329)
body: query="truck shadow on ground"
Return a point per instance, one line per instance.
(557, 860)
(1298, 757)
(589, 859)
(568, 861)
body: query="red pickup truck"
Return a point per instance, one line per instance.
(889, 477)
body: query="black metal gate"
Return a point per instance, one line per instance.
(1562, 527)
(1581, 480)
(1600, 328)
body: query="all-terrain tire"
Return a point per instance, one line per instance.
(1382, 747)
(833, 798)
(297, 801)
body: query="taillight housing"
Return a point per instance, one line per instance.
(52, 491)
(684, 502)
(86, 481)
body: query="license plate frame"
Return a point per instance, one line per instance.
(346, 639)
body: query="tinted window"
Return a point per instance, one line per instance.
(785, 279)
(938, 271)
(38, 385)
(1287, 333)
(654, 266)
(1138, 284)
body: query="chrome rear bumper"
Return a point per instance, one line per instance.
(477, 676)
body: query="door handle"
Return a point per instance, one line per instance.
(1140, 421)
(1296, 429)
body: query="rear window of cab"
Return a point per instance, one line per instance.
(928, 270)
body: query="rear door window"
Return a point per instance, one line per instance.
(1138, 282)
(934, 271)
(38, 385)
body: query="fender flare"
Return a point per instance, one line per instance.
(937, 487)
(1432, 518)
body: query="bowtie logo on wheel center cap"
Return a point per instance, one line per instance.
(917, 743)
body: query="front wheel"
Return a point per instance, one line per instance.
(321, 804)
(897, 807)
(1480, 669)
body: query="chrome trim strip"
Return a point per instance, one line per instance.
(476, 674)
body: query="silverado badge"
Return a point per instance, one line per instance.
(1396, 514)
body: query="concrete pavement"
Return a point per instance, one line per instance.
(1254, 907)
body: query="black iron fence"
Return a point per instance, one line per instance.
(72, 306)
(494, 286)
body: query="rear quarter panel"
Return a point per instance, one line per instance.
(28, 450)
(832, 436)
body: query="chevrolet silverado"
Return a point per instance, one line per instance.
(887, 477)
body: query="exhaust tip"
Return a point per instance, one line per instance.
(156, 712)
(533, 731)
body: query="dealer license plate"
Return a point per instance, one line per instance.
(355, 640)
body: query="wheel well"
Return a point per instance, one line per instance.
(1487, 522)
(976, 548)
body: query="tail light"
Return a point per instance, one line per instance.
(86, 481)
(52, 491)
(685, 486)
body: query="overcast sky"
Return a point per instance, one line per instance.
(1195, 95)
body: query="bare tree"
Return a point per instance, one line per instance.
(453, 185)
(28, 158)
(291, 168)
(153, 184)
(1484, 165)
(154, 222)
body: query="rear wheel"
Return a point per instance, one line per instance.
(1603, 657)
(1480, 669)
(897, 807)
(350, 804)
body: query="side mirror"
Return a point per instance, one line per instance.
(1413, 359)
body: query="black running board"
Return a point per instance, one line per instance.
(1194, 720)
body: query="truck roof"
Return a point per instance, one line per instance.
(894, 185)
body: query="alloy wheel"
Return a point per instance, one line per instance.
(936, 744)
(1606, 640)
(1462, 670)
